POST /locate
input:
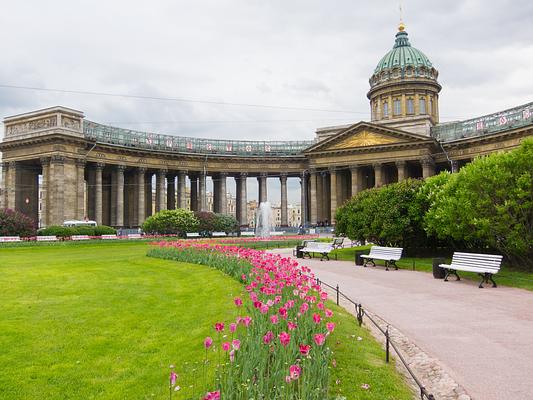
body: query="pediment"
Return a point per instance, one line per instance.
(366, 135)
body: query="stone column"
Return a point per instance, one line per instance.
(401, 166)
(333, 193)
(80, 189)
(303, 199)
(223, 193)
(160, 195)
(313, 197)
(378, 175)
(141, 195)
(428, 167)
(238, 199)
(216, 194)
(194, 192)
(113, 199)
(202, 201)
(45, 191)
(243, 199)
(11, 185)
(325, 197)
(98, 193)
(356, 179)
(263, 196)
(171, 192)
(284, 216)
(182, 201)
(119, 215)
(319, 197)
(454, 166)
(56, 198)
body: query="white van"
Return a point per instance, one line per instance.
(74, 223)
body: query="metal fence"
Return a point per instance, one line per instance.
(492, 123)
(154, 141)
(360, 313)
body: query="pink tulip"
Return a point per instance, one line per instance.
(232, 327)
(226, 346)
(208, 342)
(291, 325)
(330, 326)
(295, 371)
(304, 307)
(264, 309)
(329, 313)
(232, 355)
(319, 339)
(237, 301)
(173, 378)
(219, 326)
(288, 379)
(323, 296)
(268, 337)
(284, 338)
(274, 319)
(316, 318)
(212, 395)
(246, 321)
(304, 349)
(236, 343)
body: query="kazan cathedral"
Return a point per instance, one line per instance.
(58, 165)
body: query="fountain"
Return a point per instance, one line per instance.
(263, 223)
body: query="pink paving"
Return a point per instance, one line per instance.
(483, 337)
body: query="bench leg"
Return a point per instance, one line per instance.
(451, 272)
(386, 265)
(485, 278)
(324, 255)
(369, 260)
(393, 263)
(304, 253)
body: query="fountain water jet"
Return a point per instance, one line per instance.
(263, 224)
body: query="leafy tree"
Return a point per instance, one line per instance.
(207, 221)
(14, 223)
(489, 202)
(177, 221)
(225, 223)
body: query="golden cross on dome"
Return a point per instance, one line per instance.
(401, 27)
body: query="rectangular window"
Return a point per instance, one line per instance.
(385, 109)
(431, 106)
(410, 106)
(422, 106)
(397, 107)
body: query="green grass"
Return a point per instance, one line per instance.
(506, 277)
(102, 320)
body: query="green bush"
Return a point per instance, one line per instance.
(14, 223)
(391, 215)
(104, 230)
(225, 223)
(177, 221)
(489, 203)
(207, 221)
(55, 230)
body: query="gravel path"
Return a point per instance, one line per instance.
(483, 338)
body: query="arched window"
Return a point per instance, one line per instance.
(385, 109)
(410, 106)
(397, 107)
(422, 106)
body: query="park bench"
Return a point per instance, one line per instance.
(277, 233)
(192, 235)
(485, 265)
(248, 233)
(388, 254)
(9, 238)
(109, 237)
(317, 247)
(219, 234)
(50, 238)
(134, 236)
(338, 243)
(80, 237)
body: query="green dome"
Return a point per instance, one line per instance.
(403, 55)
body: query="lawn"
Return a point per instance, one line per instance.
(102, 320)
(506, 277)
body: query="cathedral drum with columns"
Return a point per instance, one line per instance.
(59, 166)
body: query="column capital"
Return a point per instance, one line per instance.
(57, 159)
(80, 162)
(263, 175)
(354, 167)
(223, 174)
(162, 171)
(427, 161)
(182, 172)
(304, 173)
(400, 163)
(243, 175)
(43, 160)
(377, 165)
(100, 166)
(283, 177)
(121, 168)
(332, 169)
(141, 170)
(313, 171)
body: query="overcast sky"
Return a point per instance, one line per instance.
(305, 54)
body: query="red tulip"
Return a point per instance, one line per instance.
(219, 326)
(304, 349)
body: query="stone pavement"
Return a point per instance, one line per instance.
(480, 339)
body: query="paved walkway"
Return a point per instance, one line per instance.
(482, 337)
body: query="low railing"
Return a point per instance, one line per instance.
(492, 123)
(360, 313)
(154, 141)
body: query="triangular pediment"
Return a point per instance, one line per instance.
(366, 135)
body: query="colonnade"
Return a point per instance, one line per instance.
(120, 195)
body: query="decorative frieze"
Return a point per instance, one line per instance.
(30, 126)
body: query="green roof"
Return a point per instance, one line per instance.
(403, 55)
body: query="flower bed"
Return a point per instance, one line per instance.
(277, 346)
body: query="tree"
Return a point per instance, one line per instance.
(225, 223)
(178, 221)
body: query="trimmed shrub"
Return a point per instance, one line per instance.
(225, 223)
(104, 230)
(55, 230)
(173, 222)
(14, 223)
(489, 203)
(207, 221)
